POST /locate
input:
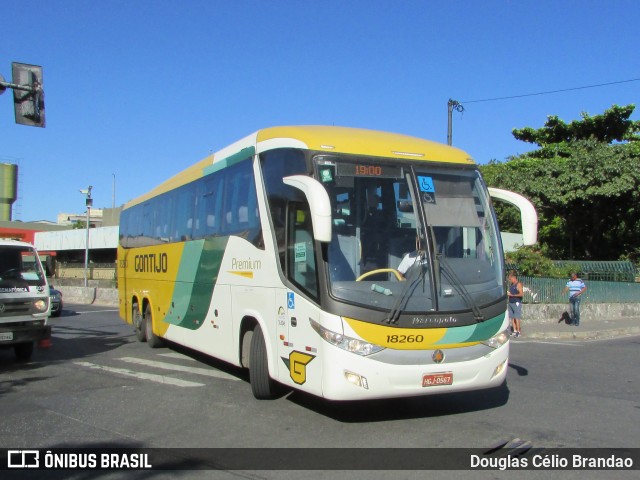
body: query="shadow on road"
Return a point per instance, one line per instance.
(70, 340)
(404, 408)
(521, 371)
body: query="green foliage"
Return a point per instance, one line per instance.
(586, 195)
(556, 137)
(531, 262)
(508, 217)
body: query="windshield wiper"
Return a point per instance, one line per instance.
(456, 283)
(414, 277)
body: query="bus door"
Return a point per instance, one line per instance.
(302, 272)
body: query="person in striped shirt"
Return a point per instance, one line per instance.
(576, 288)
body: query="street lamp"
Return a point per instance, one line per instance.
(88, 203)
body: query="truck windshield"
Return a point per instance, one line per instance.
(20, 268)
(411, 238)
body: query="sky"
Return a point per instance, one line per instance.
(137, 90)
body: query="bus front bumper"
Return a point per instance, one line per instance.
(351, 377)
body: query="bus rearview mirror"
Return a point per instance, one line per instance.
(319, 204)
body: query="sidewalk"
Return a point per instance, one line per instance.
(589, 329)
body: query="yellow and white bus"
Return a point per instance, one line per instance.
(347, 263)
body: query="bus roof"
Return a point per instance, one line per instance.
(320, 138)
(367, 142)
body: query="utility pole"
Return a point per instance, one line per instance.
(88, 203)
(451, 105)
(28, 94)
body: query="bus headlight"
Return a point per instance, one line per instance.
(497, 340)
(349, 344)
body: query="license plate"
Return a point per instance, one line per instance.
(437, 379)
(6, 336)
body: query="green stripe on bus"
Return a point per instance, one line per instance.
(201, 262)
(229, 161)
(473, 333)
(183, 287)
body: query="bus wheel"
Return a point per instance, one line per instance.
(262, 386)
(153, 340)
(137, 323)
(23, 351)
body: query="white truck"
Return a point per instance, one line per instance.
(24, 298)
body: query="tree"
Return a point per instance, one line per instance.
(556, 136)
(586, 191)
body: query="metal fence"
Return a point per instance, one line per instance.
(549, 290)
(600, 270)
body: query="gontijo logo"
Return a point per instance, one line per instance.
(297, 365)
(151, 263)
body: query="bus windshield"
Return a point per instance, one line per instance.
(411, 237)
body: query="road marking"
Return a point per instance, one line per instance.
(177, 355)
(180, 368)
(144, 376)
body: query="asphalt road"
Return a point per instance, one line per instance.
(96, 386)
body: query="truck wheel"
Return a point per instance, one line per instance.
(137, 323)
(262, 385)
(153, 340)
(23, 351)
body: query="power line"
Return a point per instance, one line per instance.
(551, 91)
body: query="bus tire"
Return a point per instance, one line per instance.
(153, 340)
(262, 385)
(136, 319)
(23, 351)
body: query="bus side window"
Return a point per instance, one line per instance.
(277, 164)
(240, 215)
(209, 206)
(184, 206)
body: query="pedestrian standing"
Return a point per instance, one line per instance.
(515, 294)
(576, 288)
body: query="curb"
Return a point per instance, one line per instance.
(584, 335)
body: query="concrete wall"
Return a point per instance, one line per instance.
(93, 272)
(551, 313)
(89, 295)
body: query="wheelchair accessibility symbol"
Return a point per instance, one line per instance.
(426, 184)
(428, 197)
(291, 301)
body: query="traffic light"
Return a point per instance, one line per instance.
(28, 94)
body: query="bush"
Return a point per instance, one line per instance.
(529, 261)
